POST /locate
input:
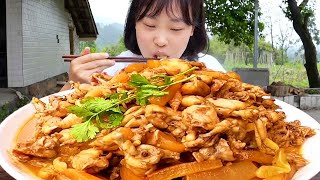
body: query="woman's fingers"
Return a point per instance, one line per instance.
(89, 57)
(82, 67)
(99, 63)
(85, 51)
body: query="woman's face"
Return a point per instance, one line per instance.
(165, 35)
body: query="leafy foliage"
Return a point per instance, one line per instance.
(6, 109)
(302, 16)
(308, 17)
(109, 34)
(231, 20)
(114, 50)
(91, 44)
(218, 49)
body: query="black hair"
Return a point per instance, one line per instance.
(140, 8)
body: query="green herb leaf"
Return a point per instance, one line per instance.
(84, 131)
(167, 80)
(97, 104)
(138, 80)
(80, 111)
(91, 110)
(115, 119)
(143, 95)
(119, 96)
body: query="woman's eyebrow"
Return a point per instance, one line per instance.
(151, 17)
(172, 19)
(176, 20)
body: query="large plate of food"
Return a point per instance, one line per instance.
(164, 119)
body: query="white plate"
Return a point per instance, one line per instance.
(12, 124)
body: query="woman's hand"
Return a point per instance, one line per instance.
(84, 66)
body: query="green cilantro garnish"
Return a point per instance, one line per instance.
(91, 110)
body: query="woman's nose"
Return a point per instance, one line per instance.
(161, 40)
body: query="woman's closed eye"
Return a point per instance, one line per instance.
(176, 29)
(149, 25)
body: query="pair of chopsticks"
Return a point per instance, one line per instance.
(69, 58)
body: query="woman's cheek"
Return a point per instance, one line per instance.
(144, 42)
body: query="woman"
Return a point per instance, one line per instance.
(154, 28)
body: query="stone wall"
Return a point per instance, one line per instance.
(305, 102)
(43, 88)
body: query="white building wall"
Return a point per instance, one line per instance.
(14, 43)
(45, 39)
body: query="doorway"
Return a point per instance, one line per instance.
(3, 46)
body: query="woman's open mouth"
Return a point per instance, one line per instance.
(161, 56)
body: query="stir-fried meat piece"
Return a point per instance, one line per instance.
(112, 140)
(289, 134)
(137, 122)
(100, 78)
(145, 157)
(149, 73)
(216, 85)
(223, 151)
(177, 128)
(90, 160)
(246, 114)
(47, 172)
(43, 147)
(200, 65)
(200, 116)
(255, 90)
(49, 124)
(58, 107)
(156, 115)
(175, 66)
(195, 87)
(192, 100)
(228, 103)
(297, 159)
(131, 113)
(206, 79)
(269, 104)
(65, 137)
(69, 121)
(38, 104)
(236, 145)
(176, 101)
(204, 154)
(220, 127)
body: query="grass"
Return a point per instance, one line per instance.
(292, 73)
(5, 109)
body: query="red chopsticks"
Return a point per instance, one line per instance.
(68, 58)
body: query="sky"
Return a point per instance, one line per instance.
(109, 11)
(114, 11)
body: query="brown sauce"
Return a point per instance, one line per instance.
(27, 130)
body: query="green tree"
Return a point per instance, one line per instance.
(303, 19)
(91, 44)
(114, 50)
(218, 49)
(231, 20)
